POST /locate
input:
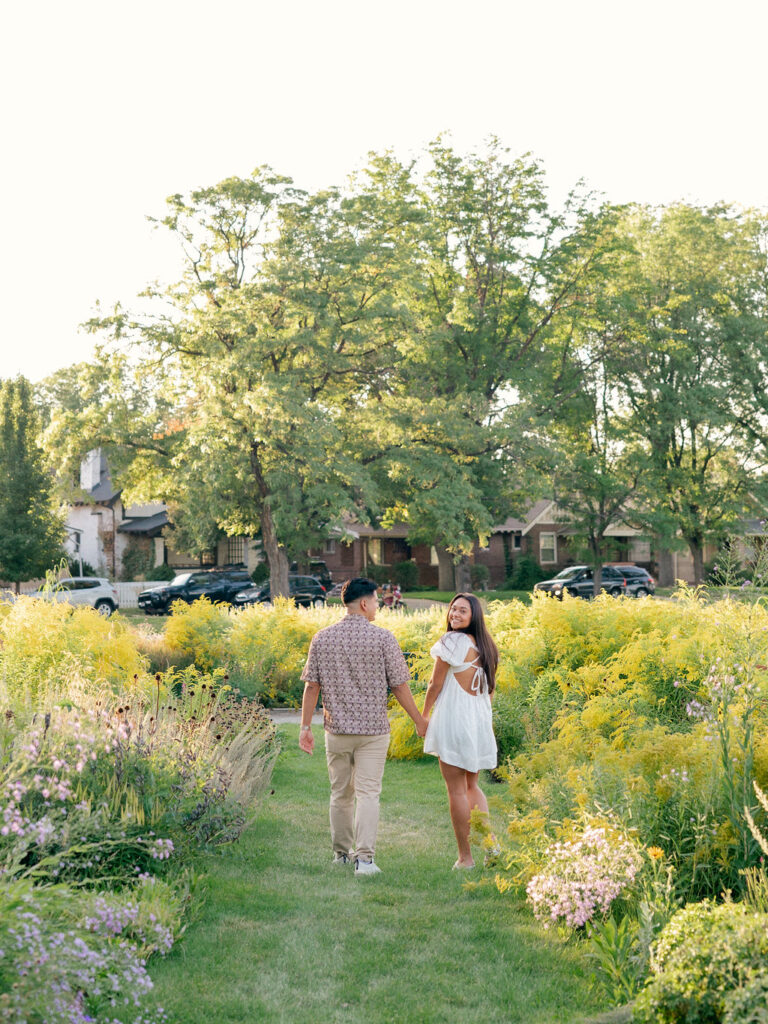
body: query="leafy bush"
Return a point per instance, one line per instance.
(77, 568)
(620, 950)
(163, 572)
(260, 573)
(652, 710)
(480, 574)
(703, 958)
(508, 724)
(406, 574)
(525, 573)
(379, 573)
(268, 647)
(200, 631)
(137, 562)
(44, 642)
(84, 789)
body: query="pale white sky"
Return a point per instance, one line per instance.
(108, 108)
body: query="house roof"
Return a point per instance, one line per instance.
(514, 525)
(149, 525)
(399, 530)
(101, 490)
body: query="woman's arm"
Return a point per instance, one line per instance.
(439, 672)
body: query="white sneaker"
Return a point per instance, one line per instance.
(341, 858)
(366, 867)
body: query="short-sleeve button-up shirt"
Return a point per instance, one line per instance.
(354, 663)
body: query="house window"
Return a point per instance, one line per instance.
(547, 548)
(235, 550)
(330, 547)
(517, 541)
(375, 550)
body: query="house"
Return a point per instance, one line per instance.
(128, 541)
(542, 533)
(105, 534)
(359, 546)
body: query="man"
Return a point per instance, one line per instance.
(353, 663)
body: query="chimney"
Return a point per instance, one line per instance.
(90, 470)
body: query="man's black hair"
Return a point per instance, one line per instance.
(353, 590)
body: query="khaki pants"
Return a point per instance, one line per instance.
(355, 768)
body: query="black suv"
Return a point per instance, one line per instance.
(218, 585)
(318, 569)
(579, 581)
(639, 581)
(305, 591)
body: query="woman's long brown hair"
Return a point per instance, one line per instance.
(489, 652)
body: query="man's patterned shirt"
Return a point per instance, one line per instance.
(354, 662)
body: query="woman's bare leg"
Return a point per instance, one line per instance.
(458, 802)
(475, 795)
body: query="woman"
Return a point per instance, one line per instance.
(460, 731)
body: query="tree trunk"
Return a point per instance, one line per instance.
(278, 562)
(464, 575)
(697, 551)
(597, 566)
(446, 579)
(665, 562)
(276, 557)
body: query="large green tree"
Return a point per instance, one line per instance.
(685, 305)
(31, 527)
(499, 272)
(282, 328)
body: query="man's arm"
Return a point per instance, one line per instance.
(404, 698)
(308, 704)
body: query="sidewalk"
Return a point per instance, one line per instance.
(292, 715)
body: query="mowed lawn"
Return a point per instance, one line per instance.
(286, 936)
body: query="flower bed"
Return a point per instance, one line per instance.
(103, 798)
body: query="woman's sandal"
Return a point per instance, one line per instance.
(458, 866)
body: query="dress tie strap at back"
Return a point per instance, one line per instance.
(478, 678)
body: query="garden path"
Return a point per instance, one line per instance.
(284, 936)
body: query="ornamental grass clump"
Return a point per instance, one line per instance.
(584, 876)
(101, 801)
(85, 789)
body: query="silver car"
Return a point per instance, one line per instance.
(95, 591)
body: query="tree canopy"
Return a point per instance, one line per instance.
(427, 344)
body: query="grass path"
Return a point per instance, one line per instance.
(284, 936)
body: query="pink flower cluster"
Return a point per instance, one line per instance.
(583, 877)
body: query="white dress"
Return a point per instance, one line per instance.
(460, 730)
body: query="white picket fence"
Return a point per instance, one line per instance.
(128, 593)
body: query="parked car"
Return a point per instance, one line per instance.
(306, 591)
(579, 581)
(219, 585)
(95, 591)
(318, 569)
(639, 581)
